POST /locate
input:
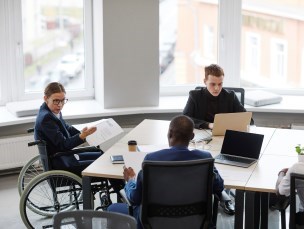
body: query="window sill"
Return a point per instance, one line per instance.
(167, 104)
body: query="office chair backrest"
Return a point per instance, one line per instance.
(177, 194)
(90, 219)
(296, 182)
(239, 92)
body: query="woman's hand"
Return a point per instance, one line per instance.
(86, 132)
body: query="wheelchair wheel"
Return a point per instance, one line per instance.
(32, 169)
(47, 194)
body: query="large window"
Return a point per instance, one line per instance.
(277, 26)
(46, 41)
(54, 44)
(257, 42)
(188, 40)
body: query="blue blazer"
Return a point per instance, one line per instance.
(56, 132)
(133, 188)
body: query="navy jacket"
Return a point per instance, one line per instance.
(196, 107)
(133, 188)
(56, 132)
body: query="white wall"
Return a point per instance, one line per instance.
(130, 53)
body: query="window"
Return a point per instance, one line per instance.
(47, 41)
(277, 35)
(251, 65)
(193, 39)
(253, 53)
(209, 43)
(257, 43)
(53, 44)
(278, 60)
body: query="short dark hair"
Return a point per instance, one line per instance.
(53, 88)
(214, 70)
(181, 127)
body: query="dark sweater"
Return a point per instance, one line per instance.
(202, 106)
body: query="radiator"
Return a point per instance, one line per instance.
(14, 152)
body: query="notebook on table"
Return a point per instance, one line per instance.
(240, 148)
(230, 121)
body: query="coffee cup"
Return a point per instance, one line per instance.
(132, 145)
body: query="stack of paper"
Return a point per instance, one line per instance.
(106, 129)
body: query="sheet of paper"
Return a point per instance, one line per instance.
(134, 160)
(106, 129)
(152, 148)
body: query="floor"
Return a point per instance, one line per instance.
(10, 216)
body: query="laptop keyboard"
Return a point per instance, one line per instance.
(236, 159)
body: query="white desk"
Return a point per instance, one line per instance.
(279, 153)
(283, 142)
(154, 132)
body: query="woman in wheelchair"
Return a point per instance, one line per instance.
(59, 136)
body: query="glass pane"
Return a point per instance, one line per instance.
(53, 43)
(188, 40)
(272, 44)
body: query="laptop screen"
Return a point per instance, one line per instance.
(242, 144)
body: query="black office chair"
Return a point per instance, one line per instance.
(296, 219)
(177, 194)
(89, 219)
(239, 92)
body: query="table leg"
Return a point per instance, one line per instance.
(264, 209)
(239, 209)
(252, 210)
(87, 192)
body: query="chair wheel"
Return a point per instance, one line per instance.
(105, 201)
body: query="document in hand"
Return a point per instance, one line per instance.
(106, 129)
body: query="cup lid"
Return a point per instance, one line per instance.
(132, 142)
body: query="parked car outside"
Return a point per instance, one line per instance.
(69, 66)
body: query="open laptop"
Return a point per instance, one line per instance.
(240, 148)
(232, 121)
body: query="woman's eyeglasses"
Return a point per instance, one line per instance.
(58, 101)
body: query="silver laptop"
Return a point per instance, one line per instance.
(240, 148)
(230, 121)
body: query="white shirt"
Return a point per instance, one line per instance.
(284, 186)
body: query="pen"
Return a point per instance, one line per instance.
(209, 140)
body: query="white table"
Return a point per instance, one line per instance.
(260, 177)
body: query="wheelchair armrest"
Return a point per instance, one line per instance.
(86, 149)
(78, 150)
(125, 200)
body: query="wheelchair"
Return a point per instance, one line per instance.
(45, 192)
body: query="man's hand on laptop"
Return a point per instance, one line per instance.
(210, 126)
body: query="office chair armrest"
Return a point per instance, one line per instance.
(126, 200)
(78, 150)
